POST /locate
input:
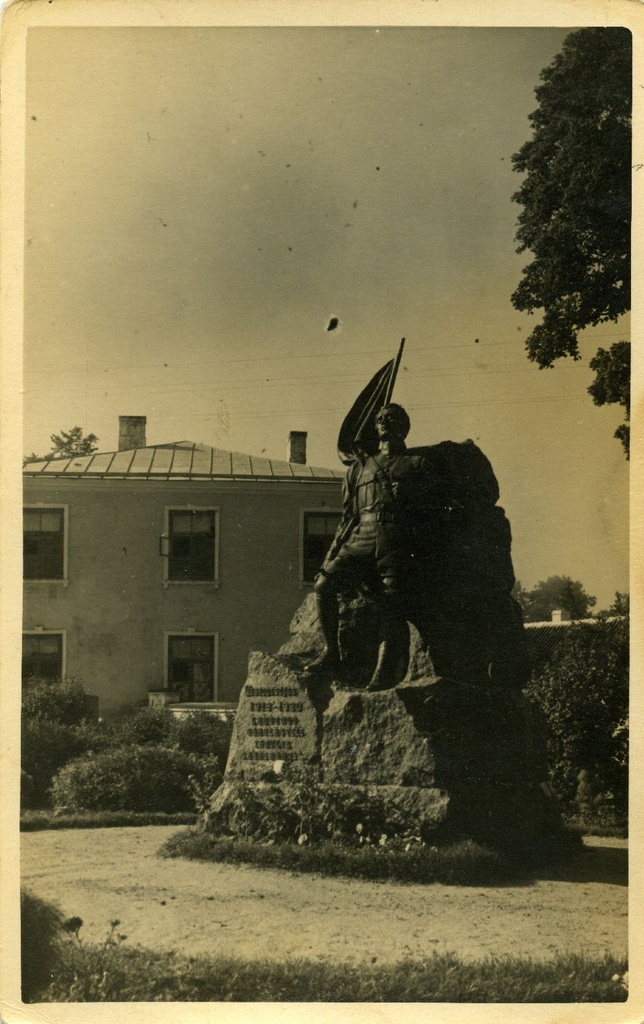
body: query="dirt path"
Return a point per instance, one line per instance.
(102, 874)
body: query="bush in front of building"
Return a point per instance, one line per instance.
(144, 727)
(198, 732)
(203, 734)
(64, 702)
(58, 724)
(46, 748)
(58, 727)
(141, 778)
(583, 692)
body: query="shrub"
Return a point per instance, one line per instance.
(40, 933)
(196, 733)
(203, 734)
(141, 778)
(63, 702)
(96, 736)
(148, 726)
(300, 808)
(46, 748)
(583, 691)
(27, 790)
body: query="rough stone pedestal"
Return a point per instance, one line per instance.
(447, 760)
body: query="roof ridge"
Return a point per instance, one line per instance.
(224, 462)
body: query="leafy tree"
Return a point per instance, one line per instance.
(620, 606)
(612, 383)
(67, 444)
(576, 199)
(583, 692)
(556, 592)
(71, 443)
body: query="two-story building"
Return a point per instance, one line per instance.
(158, 568)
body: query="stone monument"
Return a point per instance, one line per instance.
(405, 667)
(448, 759)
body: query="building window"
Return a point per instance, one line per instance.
(44, 543)
(191, 666)
(318, 530)
(192, 536)
(42, 656)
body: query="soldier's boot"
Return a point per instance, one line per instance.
(393, 659)
(329, 661)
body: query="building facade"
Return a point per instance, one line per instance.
(156, 569)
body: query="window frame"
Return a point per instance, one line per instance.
(304, 513)
(193, 633)
(57, 507)
(214, 580)
(48, 632)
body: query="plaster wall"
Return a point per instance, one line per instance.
(115, 607)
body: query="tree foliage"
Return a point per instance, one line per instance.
(612, 383)
(576, 198)
(621, 604)
(583, 692)
(68, 444)
(557, 592)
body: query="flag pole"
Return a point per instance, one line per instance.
(394, 373)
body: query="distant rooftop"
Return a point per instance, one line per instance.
(180, 460)
(543, 638)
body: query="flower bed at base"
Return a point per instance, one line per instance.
(459, 863)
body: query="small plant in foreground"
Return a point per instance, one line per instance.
(89, 967)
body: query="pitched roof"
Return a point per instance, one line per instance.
(180, 460)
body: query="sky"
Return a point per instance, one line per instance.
(201, 201)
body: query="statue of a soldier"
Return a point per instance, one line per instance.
(385, 496)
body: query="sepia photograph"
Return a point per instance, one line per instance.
(317, 382)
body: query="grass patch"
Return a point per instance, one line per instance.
(34, 821)
(460, 863)
(120, 974)
(596, 826)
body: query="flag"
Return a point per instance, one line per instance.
(358, 434)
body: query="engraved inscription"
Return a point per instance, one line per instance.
(275, 728)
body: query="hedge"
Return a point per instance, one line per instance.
(140, 778)
(583, 692)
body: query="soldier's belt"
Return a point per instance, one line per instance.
(380, 517)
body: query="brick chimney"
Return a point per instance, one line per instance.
(131, 432)
(296, 449)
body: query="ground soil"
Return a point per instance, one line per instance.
(106, 874)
